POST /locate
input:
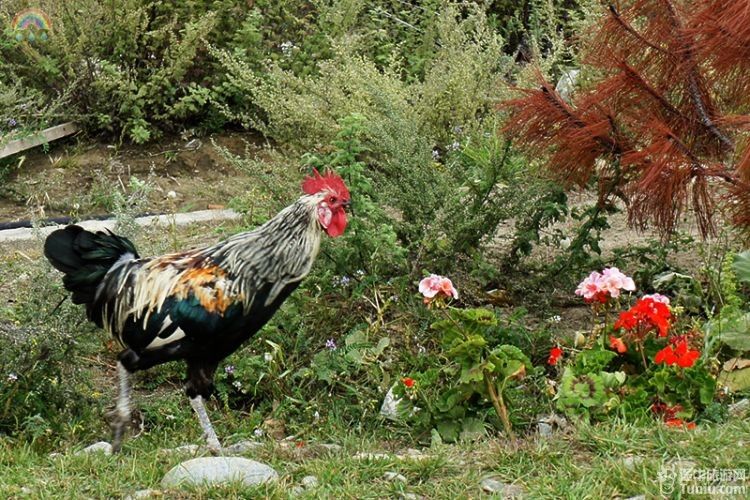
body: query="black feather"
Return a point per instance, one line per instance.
(85, 257)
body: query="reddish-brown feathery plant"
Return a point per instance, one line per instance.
(668, 115)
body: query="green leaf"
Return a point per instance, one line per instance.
(732, 329)
(737, 380)
(741, 266)
(448, 430)
(472, 429)
(592, 361)
(382, 344)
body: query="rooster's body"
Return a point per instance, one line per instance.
(199, 305)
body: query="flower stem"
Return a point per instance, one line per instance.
(499, 404)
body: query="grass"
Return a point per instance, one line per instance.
(587, 463)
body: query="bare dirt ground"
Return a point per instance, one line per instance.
(77, 178)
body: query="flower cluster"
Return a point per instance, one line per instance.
(599, 287)
(677, 353)
(647, 314)
(435, 286)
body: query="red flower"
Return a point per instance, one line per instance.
(554, 356)
(408, 382)
(678, 422)
(617, 344)
(678, 355)
(647, 314)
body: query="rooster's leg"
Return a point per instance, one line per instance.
(199, 386)
(208, 430)
(122, 410)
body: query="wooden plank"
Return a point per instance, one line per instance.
(45, 136)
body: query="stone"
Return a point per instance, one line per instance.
(309, 482)
(149, 493)
(218, 470)
(506, 490)
(740, 408)
(639, 497)
(547, 424)
(242, 447)
(100, 447)
(394, 476)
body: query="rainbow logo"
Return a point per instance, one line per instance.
(31, 24)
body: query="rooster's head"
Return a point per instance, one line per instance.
(334, 199)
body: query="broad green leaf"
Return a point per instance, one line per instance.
(382, 344)
(741, 266)
(472, 429)
(448, 430)
(737, 380)
(731, 329)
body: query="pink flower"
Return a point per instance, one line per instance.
(613, 281)
(599, 287)
(589, 287)
(657, 297)
(434, 284)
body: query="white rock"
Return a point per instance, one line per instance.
(506, 490)
(242, 447)
(101, 447)
(219, 470)
(547, 424)
(394, 476)
(639, 497)
(171, 194)
(149, 493)
(740, 408)
(310, 482)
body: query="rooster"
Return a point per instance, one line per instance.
(199, 305)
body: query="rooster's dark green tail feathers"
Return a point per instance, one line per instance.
(85, 257)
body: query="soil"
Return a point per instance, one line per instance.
(74, 178)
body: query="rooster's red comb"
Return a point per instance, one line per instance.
(330, 181)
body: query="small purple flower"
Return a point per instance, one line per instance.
(344, 281)
(331, 345)
(12, 122)
(229, 369)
